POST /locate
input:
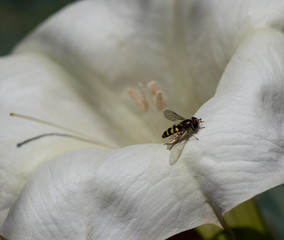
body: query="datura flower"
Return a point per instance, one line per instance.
(103, 72)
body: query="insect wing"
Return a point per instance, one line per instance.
(172, 115)
(176, 151)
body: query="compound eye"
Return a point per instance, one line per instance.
(194, 123)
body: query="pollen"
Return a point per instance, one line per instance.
(156, 100)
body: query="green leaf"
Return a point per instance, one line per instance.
(242, 233)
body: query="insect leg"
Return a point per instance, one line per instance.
(177, 137)
(192, 135)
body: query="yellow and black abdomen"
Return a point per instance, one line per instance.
(172, 130)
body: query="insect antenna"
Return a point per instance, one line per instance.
(77, 135)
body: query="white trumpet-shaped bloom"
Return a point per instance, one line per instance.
(219, 61)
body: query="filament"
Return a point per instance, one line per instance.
(81, 136)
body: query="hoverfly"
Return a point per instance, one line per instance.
(179, 129)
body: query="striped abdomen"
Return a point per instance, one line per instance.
(172, 130)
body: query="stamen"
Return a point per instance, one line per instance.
(45, 123)
(81, 137)
(153, 87)
(144, 95)
(137, 99)
(52, 134)
(143, 101)
(160, 100)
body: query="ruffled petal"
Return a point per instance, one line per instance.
(132, 193)
(56, 76)
(117, 44)
(240, 153)
(31, 85)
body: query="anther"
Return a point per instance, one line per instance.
(137, 99)
(153, 87)
(144, 96)
(160, 100)
(144, 101)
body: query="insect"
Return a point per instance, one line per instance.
(186, 125)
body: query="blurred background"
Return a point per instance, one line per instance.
(19, 17)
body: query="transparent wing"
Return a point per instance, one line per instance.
(172, 115)
(176, 151)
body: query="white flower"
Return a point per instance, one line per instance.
(74, 71)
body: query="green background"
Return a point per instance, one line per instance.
(19, 17)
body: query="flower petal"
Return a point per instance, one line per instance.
(30, 84)
(240, 153)
(53, 76)
(117, 44)
(238, 119)
(132, 193)
(135, 194)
